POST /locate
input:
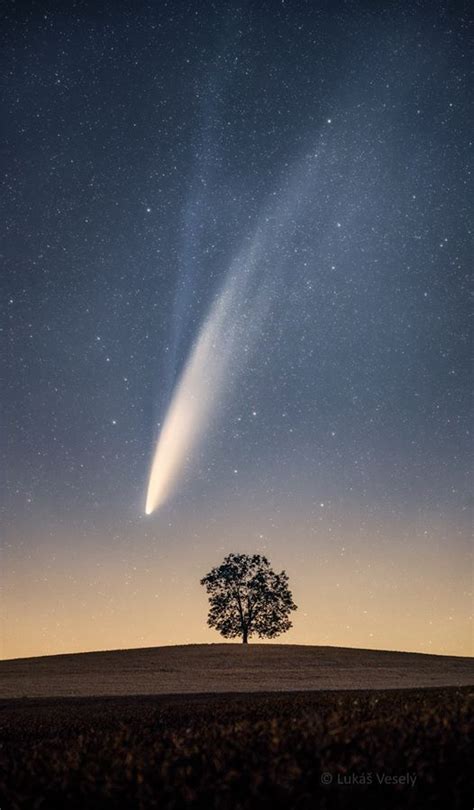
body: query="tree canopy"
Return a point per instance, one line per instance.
(248, 598)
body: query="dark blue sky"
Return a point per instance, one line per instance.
(146, 146)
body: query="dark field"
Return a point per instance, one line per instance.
(239, 751)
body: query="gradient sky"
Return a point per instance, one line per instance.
(149, 148)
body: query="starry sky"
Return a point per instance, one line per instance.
(156, 152)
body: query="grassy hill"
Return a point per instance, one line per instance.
(214, 668)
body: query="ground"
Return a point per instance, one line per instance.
(390, 745)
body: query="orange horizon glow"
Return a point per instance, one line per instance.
(356, 590)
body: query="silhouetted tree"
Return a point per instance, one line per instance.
(246, 598)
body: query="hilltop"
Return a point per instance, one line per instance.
(217, 668)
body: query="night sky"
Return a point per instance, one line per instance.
(313, 158)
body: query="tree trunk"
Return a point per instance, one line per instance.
(245, 636)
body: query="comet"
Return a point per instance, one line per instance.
(206, 378)
(224, 341)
